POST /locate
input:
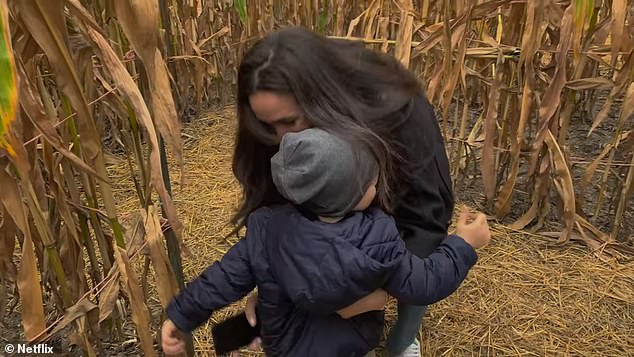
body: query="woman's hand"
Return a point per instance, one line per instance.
(374, 301)
(249, 311)
(172, 339)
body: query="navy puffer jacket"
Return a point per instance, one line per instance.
(305, 270)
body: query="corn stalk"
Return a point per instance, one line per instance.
(60, 204)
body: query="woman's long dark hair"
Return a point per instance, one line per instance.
(340, 86)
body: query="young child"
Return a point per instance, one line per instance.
(320, 254)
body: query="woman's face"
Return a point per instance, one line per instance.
(279, 112)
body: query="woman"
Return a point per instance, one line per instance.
(294, 79)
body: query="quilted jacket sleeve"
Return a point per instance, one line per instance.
(426, 281)
(221, 284)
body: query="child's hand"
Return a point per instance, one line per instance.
(172, 339)
(473, 228)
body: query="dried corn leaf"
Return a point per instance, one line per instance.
(140, 313)
(618, 25)
(589, 83)
(404, 35)
(353, 24)
(81, 308)
(28, 283)
(28, 280)
(488, 7)
(587, 176)
(109, 295)
(35, 112)
(164, 274)
(341, 17)
(72, 258)
(4, 298)
(8, 271)
(490, 131)
(626, 189)
(432, 88)
(135, 235)
(602, 237)
(628, 104)
(541, 187)
(8, 233)
(431, 41)
(624, 198)
(45, 22)
(534, 28)
(8, 85)
(125, 84)
(552, 96)
(622, 79)
(582, 15)
(371, 13)
(12, 200)
(457, 39)
(140, 22)
(222, 32)
(565, 185)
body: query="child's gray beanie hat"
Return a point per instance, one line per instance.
(319, 171)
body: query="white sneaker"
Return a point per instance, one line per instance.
(412, 350)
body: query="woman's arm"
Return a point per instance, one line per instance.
(372, 302)
(423, 207)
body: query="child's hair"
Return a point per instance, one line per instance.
(321, 172)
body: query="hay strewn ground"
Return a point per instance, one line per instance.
(525, 297)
